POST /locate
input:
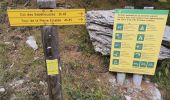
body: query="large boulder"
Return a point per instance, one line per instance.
(100, 29)
(166, 36)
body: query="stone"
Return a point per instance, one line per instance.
(101, 17)
(32, 43)
(112, 81)
(7, 43)
(2, 90)
(98, 80)
(164, 53)
(156, 95)
(127, 97)
(16, 83)
(166, 36)
(42, 83)
(100, 28)
(46, 3)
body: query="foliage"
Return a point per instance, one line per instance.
(85, 44)
(3, 5)
(77, 94)
(19, 1)
(162, 77)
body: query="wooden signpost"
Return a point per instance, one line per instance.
(47, 16)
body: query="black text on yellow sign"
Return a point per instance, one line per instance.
(40, 17)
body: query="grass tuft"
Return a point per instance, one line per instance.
(162, 77)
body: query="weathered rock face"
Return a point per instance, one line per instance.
(167, 34)
(164, 53)
(100, 28)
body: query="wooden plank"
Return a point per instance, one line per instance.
(51, 52)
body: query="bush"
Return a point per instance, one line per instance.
(19, 1)
(162, 77)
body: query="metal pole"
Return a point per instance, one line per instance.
(51, 52)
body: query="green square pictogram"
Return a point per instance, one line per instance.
(143, 64)
(140, 37)
(139, 46)
(117, 45)
(118, 36)
(116, 53)
(115, 62)
(119, 27)
(150, 64)
(136, 63)
(137, 55)
(142, 28)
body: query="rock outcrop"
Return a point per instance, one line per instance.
(100, 28)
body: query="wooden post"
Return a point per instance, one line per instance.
(51, 52)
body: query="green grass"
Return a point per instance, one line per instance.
(162, 77)
(85, 43)
(84, 85)
(77, 94)
(21, 56)
(4, 61)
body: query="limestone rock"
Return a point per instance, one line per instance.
(101, 17)
(100, 29)
(164, 53)
(32, 42)
(156, 95)
(127, 97)
(16, 83)
(166, 36)
(2, 90)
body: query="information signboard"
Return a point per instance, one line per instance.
(137, 40)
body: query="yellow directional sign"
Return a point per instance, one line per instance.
(39, 17)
